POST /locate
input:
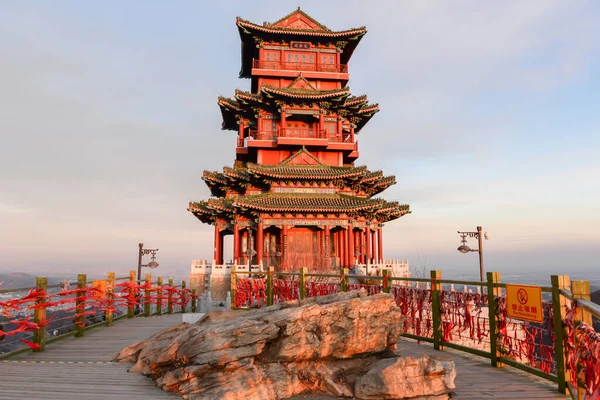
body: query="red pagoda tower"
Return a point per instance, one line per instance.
(294, 196)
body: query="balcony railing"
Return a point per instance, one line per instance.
(294, 133)
(300, 66)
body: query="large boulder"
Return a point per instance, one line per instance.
(340, 345)
(406, 377)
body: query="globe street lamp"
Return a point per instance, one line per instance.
(142, 252)
(466, 249)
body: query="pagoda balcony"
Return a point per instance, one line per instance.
(295, 136)
(309, 70)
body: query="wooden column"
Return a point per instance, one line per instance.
(236, 244)
(242, 253)
(338, 237)
(327, 242)
(374, 246)
(380, 242)
(345, 240)
(350, 245)
(219, 260)
(216, 244)
(559, 307)
(494, 291)
(367, 244)
(284, 234)
(282, 124)
(39, 315)
(260, 242)
(241, 132)
(321, 122)
(360, 246)
(352, 135)
(339, 129)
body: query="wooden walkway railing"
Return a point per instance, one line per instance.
(33, 317)
(563, 348)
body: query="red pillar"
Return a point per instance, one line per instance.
(236, 244)
(367, 244)
(216, 244)
(361, 247)
(282, 122)
(374, 246)
(340, 235)
(241, 133)
(350, 245)
(321, 122)
(284, 233)
(380, 242)
(259, 242)
(327, 250)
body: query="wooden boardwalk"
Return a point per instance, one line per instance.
(74, 369)
(477, 379)
(80, 368)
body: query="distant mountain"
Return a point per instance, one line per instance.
(16, 280)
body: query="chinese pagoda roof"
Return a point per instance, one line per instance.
(305, 172)
(309, 203)
(297, 25)
(308, 94)
(210, 210)
(357, 110)
(301, 166)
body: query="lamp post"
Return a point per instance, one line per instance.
(141, 253)
(466, 249)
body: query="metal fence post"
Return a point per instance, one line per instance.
(270, 274)
(147, 294)
(559, 311)
(436, 286)
(493, 292)
(39, 315)
(110, 298)
(80, 304)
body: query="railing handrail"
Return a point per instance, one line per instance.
(300, 66)
(533, 360)
(86, 304)
(589, 306)
(300, 133)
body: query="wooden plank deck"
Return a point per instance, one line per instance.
(80, 368)
(477, 379)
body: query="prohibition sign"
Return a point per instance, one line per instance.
(522, 296)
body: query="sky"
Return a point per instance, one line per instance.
(489, 116)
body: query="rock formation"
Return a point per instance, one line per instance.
(341, 345)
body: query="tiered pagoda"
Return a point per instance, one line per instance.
(294, 194)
